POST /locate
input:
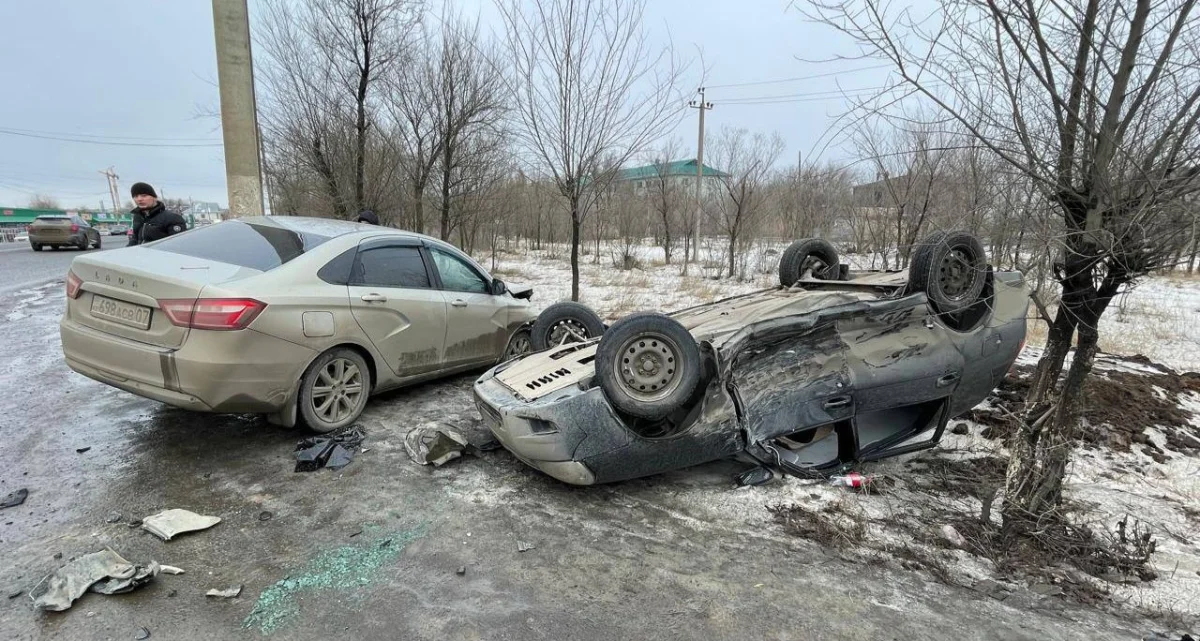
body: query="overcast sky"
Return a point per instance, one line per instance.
(140, 72)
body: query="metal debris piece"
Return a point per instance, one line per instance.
(14, 498)
(104, 571)
(523, 546)
(434, 446)
(334, 450)
(113, 517)
(169, 523)
(142, 634)
(462, 569)
(227, 593)
(120, 585)
(170, 569)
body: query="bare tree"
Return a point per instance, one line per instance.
(1096, 104)
(586, 84)
(666, 192)
(43, 201)
(321, 68)
(746, 162)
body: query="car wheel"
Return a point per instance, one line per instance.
(518, 346)
(809, 255)
(950, 267)
(564, 322)
(648, 365)
(83, 243)
(98, 241)
(334, 390)
(37, 247)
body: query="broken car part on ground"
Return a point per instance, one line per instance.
(105, 572)
(334, 451)
(830, 368)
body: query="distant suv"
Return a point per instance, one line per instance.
(62, 230)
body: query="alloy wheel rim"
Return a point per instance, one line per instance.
(338, 391)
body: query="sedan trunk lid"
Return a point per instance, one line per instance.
(120, 291)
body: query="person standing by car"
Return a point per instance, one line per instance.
(151, 220)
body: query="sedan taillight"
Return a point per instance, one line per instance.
(74, 286)
(220, 314)
(74, 228)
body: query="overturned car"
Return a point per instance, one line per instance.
(830, 368)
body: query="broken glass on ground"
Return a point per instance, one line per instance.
(169, 523)
(13, 499)
(105, 572)
(334, 450)
(434, 446)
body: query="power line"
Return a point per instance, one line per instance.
(106, 136)
(813, 97)
(11, 132)
(798, 78)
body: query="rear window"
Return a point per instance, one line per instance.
(261, 247)
(54, 218)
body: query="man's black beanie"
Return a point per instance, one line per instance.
(142, 189)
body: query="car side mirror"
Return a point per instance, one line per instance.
(499, 288)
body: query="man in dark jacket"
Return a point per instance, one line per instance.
(151, 220)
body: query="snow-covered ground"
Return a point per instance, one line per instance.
(1156, 319)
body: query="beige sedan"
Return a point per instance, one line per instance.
(297, 318)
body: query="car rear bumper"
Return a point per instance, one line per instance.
(228, 372)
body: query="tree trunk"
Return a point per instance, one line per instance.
(1041, 448)
(575, 251)
(666, 239)
(732, 253)
(418, 218)
(1058, 343)
(360, 158)
(445, 222)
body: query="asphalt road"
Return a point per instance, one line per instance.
(387, 549)
(21, 267)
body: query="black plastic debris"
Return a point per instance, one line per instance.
(14, 498)
(755, 476)
(265, 516)
(82, 450)
(462, 569)
(489, 445)
(334, 450)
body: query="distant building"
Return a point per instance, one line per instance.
(680, 171)
(205, 212)
(878, 193)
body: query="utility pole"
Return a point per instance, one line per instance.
(703, 107)
(113, 191)
(239, 125)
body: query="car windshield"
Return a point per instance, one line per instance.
(259, 246)
(56, 218)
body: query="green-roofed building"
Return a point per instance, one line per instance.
(683, 172)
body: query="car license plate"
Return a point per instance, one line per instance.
(121, 312)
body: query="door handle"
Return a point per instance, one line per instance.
(948, 379)
(458, 302)
(374, 298)
(837, 402)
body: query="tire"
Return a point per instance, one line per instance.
(519, 345)
(648, 350)
(808, 254)
(951, 268)
(312, 397)
(98, 242)
(562, 323)
(83, 243)
(37, 247)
